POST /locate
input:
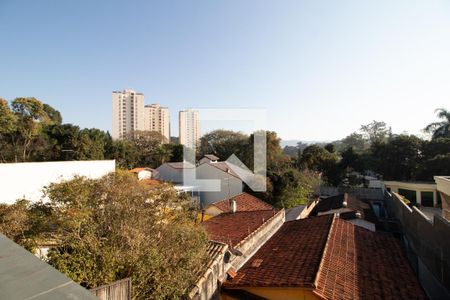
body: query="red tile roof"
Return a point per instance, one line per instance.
(244, 202)
(290, 258)
(337, 259)
(137, 170)
(232, 228)
(360, 264)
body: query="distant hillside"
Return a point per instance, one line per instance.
(294, 142)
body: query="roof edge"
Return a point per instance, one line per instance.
(325, 250)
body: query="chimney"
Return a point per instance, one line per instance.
(233, 205)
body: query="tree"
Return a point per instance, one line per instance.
(116, 227)
(147, 145)
(440, 129)
(7, 128)
(31, 117)
(330, 148)
(316, 158)
(53, 115)
(223, 143)
(292, 187)
(376, 132)
(354, 140)
(124, 152)
(399, 158)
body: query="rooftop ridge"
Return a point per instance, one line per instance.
(325, 251)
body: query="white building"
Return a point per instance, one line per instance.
(27, 180)
(189, 127)
(156, 118)
(127, 112)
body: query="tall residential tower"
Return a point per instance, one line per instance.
(127, 112)
(189, 127)
(156, 118)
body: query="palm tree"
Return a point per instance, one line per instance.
(440, 129)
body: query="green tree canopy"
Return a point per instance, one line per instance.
(113, 228)
(440, 129)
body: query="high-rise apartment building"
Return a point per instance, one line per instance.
(127, 112)
(156, 118)
(189, 127)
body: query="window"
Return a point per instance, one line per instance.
(427, 198)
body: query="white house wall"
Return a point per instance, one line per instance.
(26, 180)
(230, 185)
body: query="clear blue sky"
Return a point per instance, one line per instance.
(321, 68)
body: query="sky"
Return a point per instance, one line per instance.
(319, 68)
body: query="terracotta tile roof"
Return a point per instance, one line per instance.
(290, 258)
(360, 264)
(244, 202)
(137, 170)
(334, 258)
(232, 228)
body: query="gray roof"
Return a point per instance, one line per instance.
(180, 165)
(24, 276)
(211, 157)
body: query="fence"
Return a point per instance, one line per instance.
(427, 244)
(362, 193)
(117, 290)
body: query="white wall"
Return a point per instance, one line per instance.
(26, 180)
(229, 185)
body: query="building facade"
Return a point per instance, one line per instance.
(156, 118)
(127, 112)
(189, 128)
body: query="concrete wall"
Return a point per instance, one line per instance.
(362, 193)
(167, 173)
(208, 286)
(427, 244)
(26, 180)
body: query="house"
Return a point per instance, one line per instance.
(325, 257)
(143, 173)
(231, 180)
(208, 158)
(173, 171)
(234, 237)
(242, 202)
(422, 193)
(244, 232)
(347, 207)
(24, 276)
